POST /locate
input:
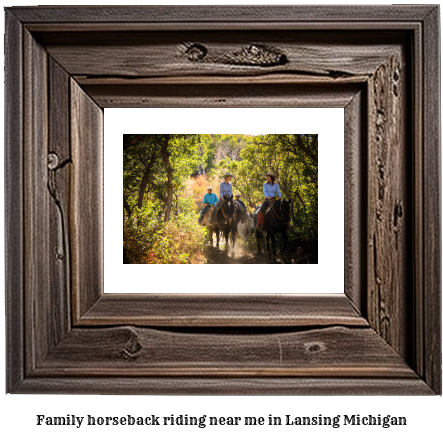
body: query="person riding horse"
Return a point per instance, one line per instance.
(208, 200)
(226, 193)
(271, 190)
(237, 198)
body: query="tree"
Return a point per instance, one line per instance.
(165, 156)
(293, 158)
(155, 168)
(140, 159)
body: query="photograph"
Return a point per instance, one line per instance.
(220, 198)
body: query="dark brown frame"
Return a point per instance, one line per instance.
(64, 65)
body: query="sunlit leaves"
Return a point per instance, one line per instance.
(292, 157)
(147, 239)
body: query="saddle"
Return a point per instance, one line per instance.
(268, 208)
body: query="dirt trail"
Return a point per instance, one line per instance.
(245, 256)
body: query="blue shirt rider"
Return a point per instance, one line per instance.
(208, 200)
(271, 190)
(226, 187)
(225, 192)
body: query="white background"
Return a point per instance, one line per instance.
(328, 123)
(17, 413)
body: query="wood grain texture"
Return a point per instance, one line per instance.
(388, 204)
(226, 96)
(262, 79)
(66, 64)
(59, 180)
(227, 386)
(86, 208)
(38, 305)
(431, 317)
(232, 26)
(127, 350)
(418, 356)
(355, 196)
(14, 239)
(171, 54)
(203, 310)
(223, 14)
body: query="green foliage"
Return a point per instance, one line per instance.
(293, 158)
(144, 173)
(215, 147)
(147, 239)
(141, 234)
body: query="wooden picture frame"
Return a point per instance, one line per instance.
(65, 64)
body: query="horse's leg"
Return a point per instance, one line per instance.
(226, 234)
(233, 234)
(273, 243)
(217, 233)
(258, 237)
(267, 241)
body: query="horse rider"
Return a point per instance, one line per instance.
(237, 198)
(271, 190)
(242, 207)
(225, 193)
(208, 200)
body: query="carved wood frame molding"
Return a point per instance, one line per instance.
(64, 65)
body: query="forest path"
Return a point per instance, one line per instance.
(244, 255)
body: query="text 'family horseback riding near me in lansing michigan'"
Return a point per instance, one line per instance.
(384, 421)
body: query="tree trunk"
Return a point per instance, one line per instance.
(145, 179)
(126, 206)
(165, 156)
(142, 189)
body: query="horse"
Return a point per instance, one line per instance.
(275, 221)
(228, 217)
(246, 228)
